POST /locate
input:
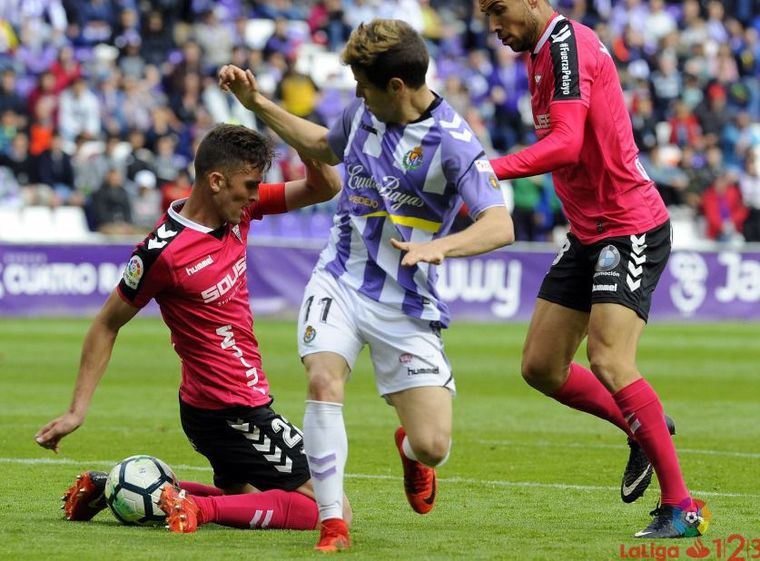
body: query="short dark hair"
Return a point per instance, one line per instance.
(388, 48)
(227, 148)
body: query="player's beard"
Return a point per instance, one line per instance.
(532, 31)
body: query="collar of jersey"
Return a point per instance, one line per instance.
(549, 28)
(177, 217)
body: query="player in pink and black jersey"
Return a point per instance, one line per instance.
(194, 265)
(601, 283)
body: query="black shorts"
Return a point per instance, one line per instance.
(247, 445)
(622, 270)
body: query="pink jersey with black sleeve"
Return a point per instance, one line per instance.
(198, 278)
(575, 87)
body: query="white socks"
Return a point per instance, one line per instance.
(326, 447)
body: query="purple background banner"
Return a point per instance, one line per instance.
(48, 280)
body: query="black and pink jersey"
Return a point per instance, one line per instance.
(198, 278)
(606, 192)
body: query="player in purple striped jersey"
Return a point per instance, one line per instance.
(410, 162)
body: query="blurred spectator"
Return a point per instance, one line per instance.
(299, 94)
(66, 68)
(666, 84)
(79, 111)
(215, 40)
(662, 167)
(525, 215)
(110, 206)
(684, 127)
(97, 19)
(55, 170)
(644, 125)
(190, 64)
(713, 113)
(131, 63)
(657, 24)
(156, 40)
(749, 184)
(10, 99)
(167, 162)
(146, 204)
(281, 41)
(18, 159)
(723, 209)
(178, 189)
(327, 23)
(139, 158)
(10, 125)
(44, 93)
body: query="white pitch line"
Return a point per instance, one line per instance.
(463, 480)
(545, 444)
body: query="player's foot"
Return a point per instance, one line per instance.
(180, 508)
(333, 535)
(85, 498)
(638, 471)
(419, 480)
(674, 522)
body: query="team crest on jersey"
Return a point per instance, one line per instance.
(133, 272)
(309, 334)
(494, 181)
(413, 159)
(609, 258)
(537, 77)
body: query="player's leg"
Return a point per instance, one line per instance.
(558, 325)
(423, 440)
(618, 315)
(258, 461)
(414, 375)
(328, 344)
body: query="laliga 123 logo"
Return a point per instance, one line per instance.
(413, 159)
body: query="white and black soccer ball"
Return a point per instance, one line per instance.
(133, 488)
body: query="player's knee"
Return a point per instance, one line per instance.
(432, 450)
(325, 386)
(537, 373)
(603, 363)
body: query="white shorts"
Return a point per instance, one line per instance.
(406, 352)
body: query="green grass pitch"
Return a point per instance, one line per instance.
(527, 479)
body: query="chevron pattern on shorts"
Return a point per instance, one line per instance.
(636, 264)
(262, 443)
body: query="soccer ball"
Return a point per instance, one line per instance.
(133, 488)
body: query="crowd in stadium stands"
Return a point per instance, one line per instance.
(103, 101)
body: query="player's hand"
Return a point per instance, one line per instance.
(428, 252)
(50, 435)
(241, 83)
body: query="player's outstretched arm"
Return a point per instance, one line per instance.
(493, 228)
(96, 352)
(322, 183)
(308, 138)
(561, 147)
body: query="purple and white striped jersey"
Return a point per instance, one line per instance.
(406, 182)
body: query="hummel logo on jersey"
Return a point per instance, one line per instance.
(162, 237)
(236, 231)
(561, 35)
(199, 265)
(368, 128)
